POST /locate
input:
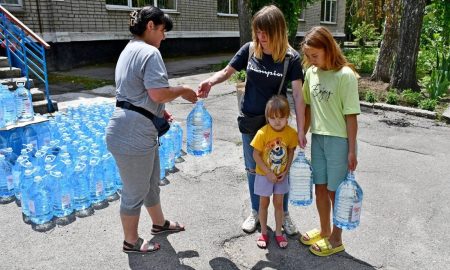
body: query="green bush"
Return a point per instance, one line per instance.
(363, 59)
(392, 98)
(410, 97)
(370, 96)
(428, 104)
(239, 76)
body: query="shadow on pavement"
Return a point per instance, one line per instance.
(165, 258)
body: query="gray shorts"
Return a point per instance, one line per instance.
(140, 177)
(264, 187)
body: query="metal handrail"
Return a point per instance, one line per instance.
(27, 47)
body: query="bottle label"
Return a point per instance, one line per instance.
(10, 182)
(31, 207)
(65, 201)
(356, 212)
(99, 188)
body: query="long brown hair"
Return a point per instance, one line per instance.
(319, 37)
(271, 20)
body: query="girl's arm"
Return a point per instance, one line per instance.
(218, 77)
(307, 118)
(352, 129)
(258, 159)
(299, 111)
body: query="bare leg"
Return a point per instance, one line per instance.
(130, 228)
(263, 205)
(279, 213)
(336, 235)
(157, 216)
(323, 204)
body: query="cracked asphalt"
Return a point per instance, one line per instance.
(404, 168)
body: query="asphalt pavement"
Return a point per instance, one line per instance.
(403, 169)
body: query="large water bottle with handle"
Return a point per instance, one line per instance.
(9, 105)
(6, 181)
(300, 180)
(199, 131)
(348, 202)
(24, 104)
(40, 204)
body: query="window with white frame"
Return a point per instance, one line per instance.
(301, 17)
(328, 11)
(227, 6)
(162, 4)
(11, 2)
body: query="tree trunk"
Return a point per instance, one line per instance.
(404, 75)
(245, 21)
(388, 49)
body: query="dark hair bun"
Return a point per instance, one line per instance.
(140, 18)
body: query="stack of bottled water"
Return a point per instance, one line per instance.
(199, 131)
(348, 202)
(300, 180)
(60, 169)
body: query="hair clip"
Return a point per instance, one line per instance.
(133, 17)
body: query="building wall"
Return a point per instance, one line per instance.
(77, 30)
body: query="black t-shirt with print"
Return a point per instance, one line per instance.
(264, 77)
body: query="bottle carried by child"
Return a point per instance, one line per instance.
(300, 180)
(348, 202)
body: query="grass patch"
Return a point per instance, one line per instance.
(86, 82)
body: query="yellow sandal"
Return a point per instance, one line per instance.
(314, 236)
(325, 248)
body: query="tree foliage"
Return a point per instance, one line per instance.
(368, 11)
(290, 8)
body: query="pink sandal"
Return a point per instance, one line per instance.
(262, 241)
(281, 240)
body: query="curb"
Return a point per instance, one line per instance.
(406, 110)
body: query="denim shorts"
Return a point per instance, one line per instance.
(329, 160)
(265, 187)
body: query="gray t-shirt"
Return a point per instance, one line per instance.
(140, 67)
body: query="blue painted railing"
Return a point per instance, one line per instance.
(25, 49)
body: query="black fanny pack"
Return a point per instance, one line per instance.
(161, 124)
(250, 124)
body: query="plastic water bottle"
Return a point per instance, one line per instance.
(9, 105)
(179, 141)
(44, 134)
(199, 131)
(62, 196)
(348, 202)
(40, 204)
(30, 137)
(81, 196)
(2, 116)
(168, 142)
(96, 185)
(300, 180)
(162, 165)
(24, 103)
(6, 181)
(17, 172)
(109, 172)
(25, 184)
(15, 140)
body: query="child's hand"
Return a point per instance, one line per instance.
(281, 176)
(302, 140)
(272, 177)
(352, 161)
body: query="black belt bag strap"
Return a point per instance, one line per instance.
(160, 123)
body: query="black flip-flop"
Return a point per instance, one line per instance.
(137, 248)
(156, 229)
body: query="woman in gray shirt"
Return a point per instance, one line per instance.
(142, 83)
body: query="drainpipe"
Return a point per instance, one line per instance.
(39, 16)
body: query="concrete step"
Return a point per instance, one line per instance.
(11, 82)
(37, 94)
(4, 61)
(41, 106)
(7, 72)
